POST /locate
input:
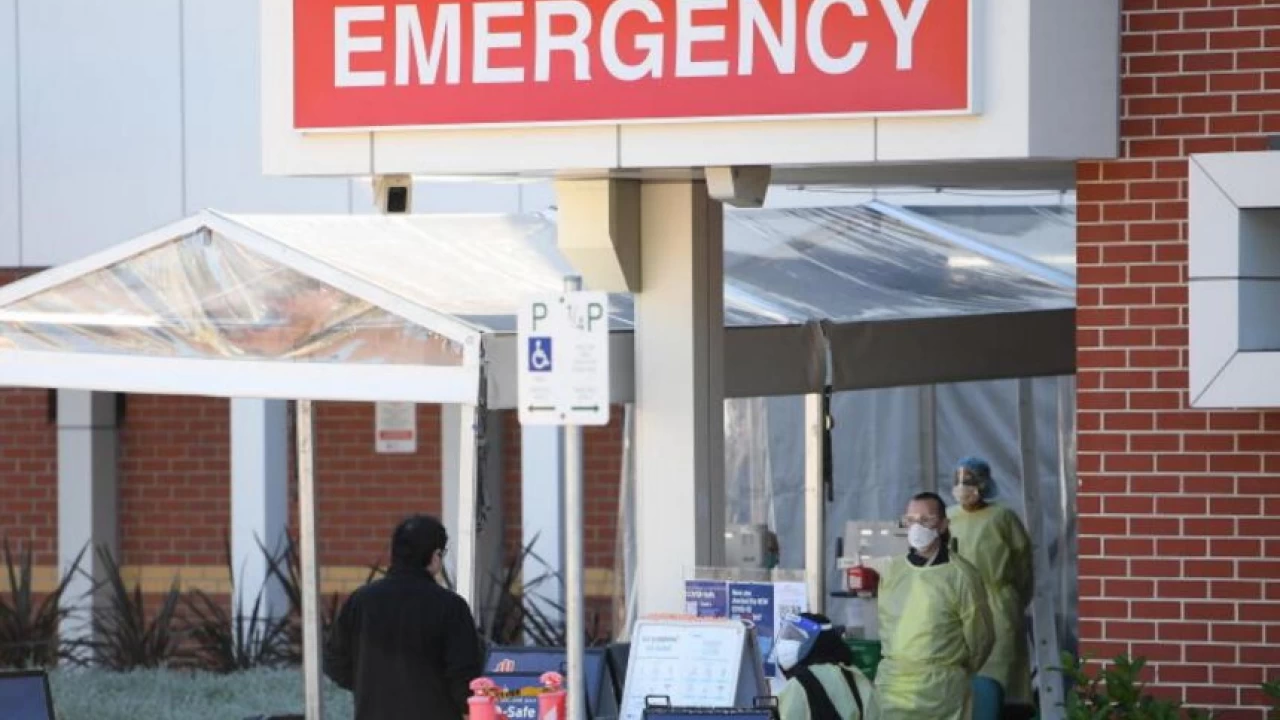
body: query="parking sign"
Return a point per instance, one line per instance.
(564, 368)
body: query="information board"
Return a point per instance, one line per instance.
(692, 663)
(763, 604)
(396, 428)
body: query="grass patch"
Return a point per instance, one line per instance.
(86, 694)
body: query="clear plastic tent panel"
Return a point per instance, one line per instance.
(882, 455)
(782, 267)
(212, 296)
(476, 268)
(205, 296)
(1044, 233)
(851, 264)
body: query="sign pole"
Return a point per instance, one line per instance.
(575, 625)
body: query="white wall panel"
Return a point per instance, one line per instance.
(101, 129)
(10, 224)
(1002, 92)
(222, 114)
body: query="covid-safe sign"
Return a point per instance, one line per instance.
(563, 360)
(439, 63)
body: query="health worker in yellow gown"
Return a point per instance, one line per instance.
(935, 626)
(993, 539)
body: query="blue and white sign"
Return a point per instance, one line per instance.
(564, 360)
(706, 598)
(539, 354)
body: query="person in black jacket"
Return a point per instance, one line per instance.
(405, 646)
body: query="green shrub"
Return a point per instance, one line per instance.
(28, 624)
(1272, 690)
(1116, 693)
(126, 635)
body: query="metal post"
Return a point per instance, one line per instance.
(309, 563)
(815, 532)
(575, 625)
(1042, 618)
(929, 436)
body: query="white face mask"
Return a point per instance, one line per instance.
(921, 537)
(787, 653)
(965, 494)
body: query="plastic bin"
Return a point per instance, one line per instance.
(866, 655)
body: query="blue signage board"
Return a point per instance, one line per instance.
(754, 602)
(706, 598)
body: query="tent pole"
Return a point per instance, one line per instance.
(1042, 617)
(309, 563)
(815, 525)
(575, 622)
(468, 498)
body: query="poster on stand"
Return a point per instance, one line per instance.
(762, 603)
(755, 602)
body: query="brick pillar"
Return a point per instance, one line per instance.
(1179, 509)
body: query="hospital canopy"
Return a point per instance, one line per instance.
(411, 307)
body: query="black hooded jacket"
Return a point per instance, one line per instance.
(407, 647)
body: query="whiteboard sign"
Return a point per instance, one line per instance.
(395, 428)
(564, 360)
(692, 663)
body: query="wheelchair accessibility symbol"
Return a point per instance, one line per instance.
(540, 354)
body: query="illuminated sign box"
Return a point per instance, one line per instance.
(566, 62)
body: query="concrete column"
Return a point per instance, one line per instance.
(259, 497)
(679, 401)
(542, 512)
(88, 495)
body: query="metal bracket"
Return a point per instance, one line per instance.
(739, 186)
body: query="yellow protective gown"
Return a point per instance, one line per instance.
(935, 632)
(995, 542)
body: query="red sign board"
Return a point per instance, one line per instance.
(430, 63)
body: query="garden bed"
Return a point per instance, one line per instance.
(84, 694)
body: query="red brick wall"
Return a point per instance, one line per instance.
(602, 474)
(175, 487)
(601, 482)
(28, 466)
(512, 500)
(361, 495)
(1179, 536)
(28, 474)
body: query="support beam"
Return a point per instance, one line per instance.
(679, 374)
(88, 496)
(259, 498)
(599, 232)
(541, 491)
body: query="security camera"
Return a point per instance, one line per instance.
(393, 193)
